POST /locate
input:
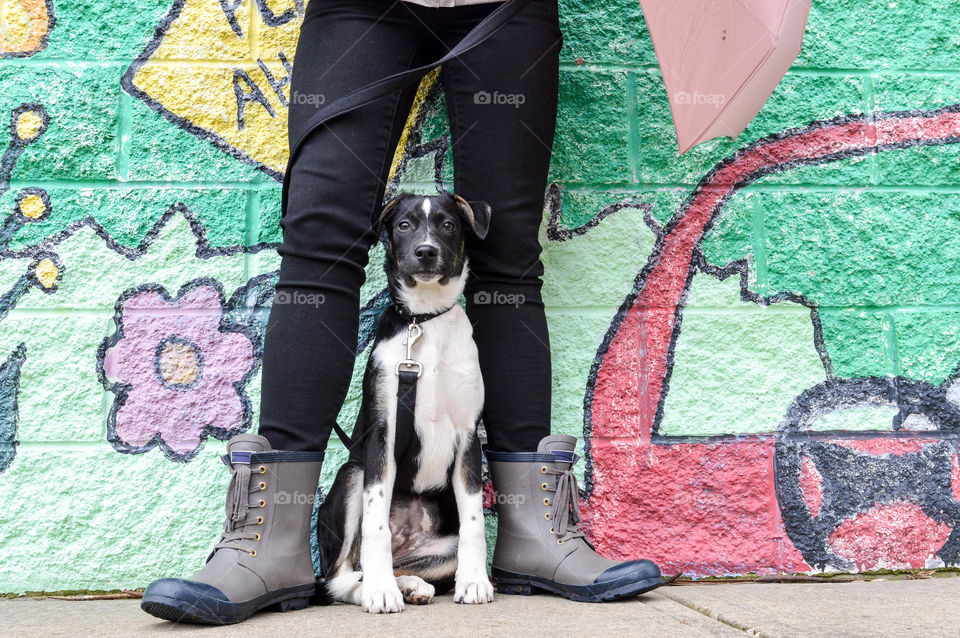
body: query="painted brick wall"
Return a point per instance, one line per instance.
(758, 342)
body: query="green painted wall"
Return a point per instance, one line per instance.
(130, 190)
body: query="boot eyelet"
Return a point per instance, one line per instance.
(543, 486)
(263, 485)
(259, 520)
(543, 469)
(257, 537)
(253, 554)
(547, 516)
(559, 541)
(546, 501)
(263, 469)
(551, 531)
(263, 503)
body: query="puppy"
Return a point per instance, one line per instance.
(404, 517)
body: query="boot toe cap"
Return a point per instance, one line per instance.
(177, 600)
(180, 589)
(629, 571)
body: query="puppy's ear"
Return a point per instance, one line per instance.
(477, 214)
(388, 208)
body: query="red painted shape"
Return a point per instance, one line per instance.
(811, 484)
(489, 495)
(955, 477)
(704, 508)
(886, 446)
(898, 535)
(700, 509)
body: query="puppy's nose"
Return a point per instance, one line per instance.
(426, 251)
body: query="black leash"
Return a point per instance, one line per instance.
(376, 90)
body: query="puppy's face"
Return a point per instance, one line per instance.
(427, 235)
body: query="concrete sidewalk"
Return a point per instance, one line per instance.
(856, 609)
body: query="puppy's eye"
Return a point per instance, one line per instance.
(403, 226)
(449, 226)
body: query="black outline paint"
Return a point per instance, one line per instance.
(9, 394)
(852, 482)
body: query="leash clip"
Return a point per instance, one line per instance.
(414, 332)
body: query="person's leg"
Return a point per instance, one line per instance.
(502, 101)
(262, 559)
(336, 189)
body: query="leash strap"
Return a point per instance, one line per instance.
(406, 400)
(344, 438)
(385, 86)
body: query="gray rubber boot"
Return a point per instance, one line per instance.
(263, 556)
(539, 541)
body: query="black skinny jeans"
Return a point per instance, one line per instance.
(501, 152)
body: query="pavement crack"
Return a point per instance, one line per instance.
(750, 631)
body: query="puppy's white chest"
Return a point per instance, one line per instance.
(449, 391)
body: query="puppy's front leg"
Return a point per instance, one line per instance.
(379, 591)
(472, 583)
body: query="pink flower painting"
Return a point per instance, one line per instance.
(178, 370)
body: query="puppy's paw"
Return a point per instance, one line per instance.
(381, 597)
(415, 590)
(473, 592)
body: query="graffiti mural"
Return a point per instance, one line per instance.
(247, 116)
(757, 340)
(834, 492)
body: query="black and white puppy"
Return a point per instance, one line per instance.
(404, 517)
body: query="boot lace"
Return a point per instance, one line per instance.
(566, 506)
(242, 513)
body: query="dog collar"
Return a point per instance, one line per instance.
(410, 317)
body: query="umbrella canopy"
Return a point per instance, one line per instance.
(721, 59)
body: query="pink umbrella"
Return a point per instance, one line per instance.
(721, 59)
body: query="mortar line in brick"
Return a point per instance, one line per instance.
(633, 132)
(251, 232)
(134, 184)
(73, 63)
(869, 106)
(40, 313)
(565, 65)
(759, 239)
(889, 328)
(571, 65)
(572, 187)
(124, 114)
(773, 187)
(253, 32)
(60, 444)
(107, 311)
